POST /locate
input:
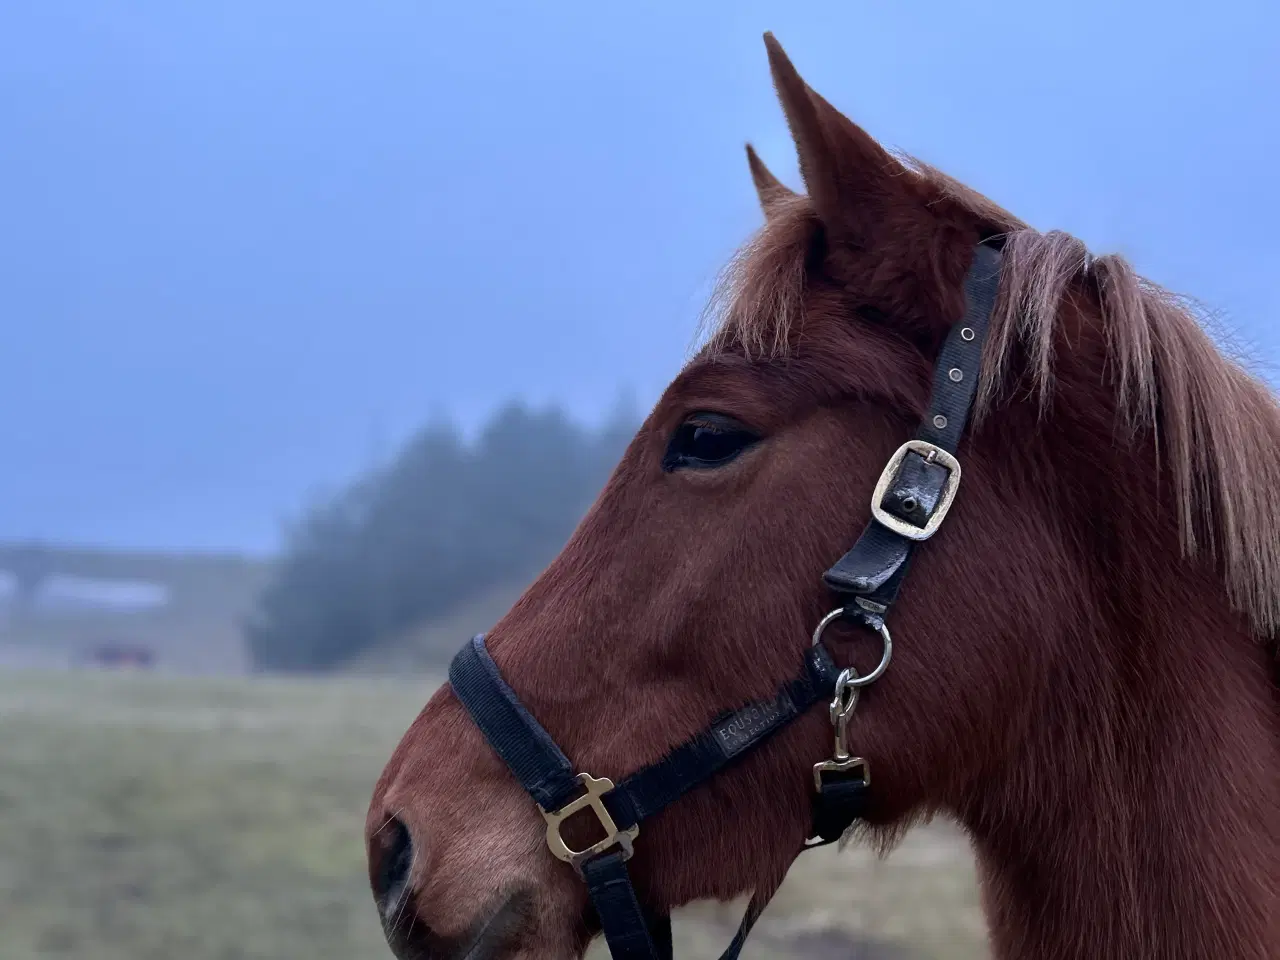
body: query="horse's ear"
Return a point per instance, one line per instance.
(769, 188)
(849, 177)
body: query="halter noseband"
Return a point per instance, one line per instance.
(911, 499)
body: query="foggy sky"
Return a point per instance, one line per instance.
(246, 247)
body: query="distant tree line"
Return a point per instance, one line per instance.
(442, 522)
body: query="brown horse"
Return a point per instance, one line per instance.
(1083, 674)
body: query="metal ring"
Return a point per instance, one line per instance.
(885, 639)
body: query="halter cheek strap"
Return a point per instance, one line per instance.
(919, 484)
(911, 499)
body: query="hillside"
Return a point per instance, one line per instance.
(430, 646)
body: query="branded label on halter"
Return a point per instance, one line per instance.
(742, 729)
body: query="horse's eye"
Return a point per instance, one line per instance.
(707, 440)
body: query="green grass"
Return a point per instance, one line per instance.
(145, 817)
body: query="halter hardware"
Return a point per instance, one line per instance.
(842, 768)
(841, 764)
(912, 497)
(595, 789)
(931, 454)
(864, 609)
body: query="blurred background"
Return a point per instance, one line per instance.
(324, 323)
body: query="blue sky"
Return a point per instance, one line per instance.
(246, 247)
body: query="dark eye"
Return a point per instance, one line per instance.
(707, 440)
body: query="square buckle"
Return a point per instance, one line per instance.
(841, 766)
(934, 454)
(595, 790)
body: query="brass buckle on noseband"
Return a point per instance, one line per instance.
(595, 790)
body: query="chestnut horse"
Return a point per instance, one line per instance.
(1083, 672)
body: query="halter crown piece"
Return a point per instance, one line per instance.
(910, 501)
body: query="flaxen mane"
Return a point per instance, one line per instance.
(1215, 428)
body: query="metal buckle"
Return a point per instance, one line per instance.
(595, 789)
(841, 766)
(934, 454)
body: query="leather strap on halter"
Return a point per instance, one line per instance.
(911, 500)
(874, 568)
(546, 774)
(549, 778)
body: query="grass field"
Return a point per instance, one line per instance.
(145, 817)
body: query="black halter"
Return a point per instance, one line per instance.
(913, 495)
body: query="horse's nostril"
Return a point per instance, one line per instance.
(392, 855)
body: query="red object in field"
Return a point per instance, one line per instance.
(119, 655)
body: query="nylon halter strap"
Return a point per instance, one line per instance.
(911, 499)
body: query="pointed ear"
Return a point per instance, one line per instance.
(769, 188)
(849, 177)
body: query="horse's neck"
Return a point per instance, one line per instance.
(1145, 822)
